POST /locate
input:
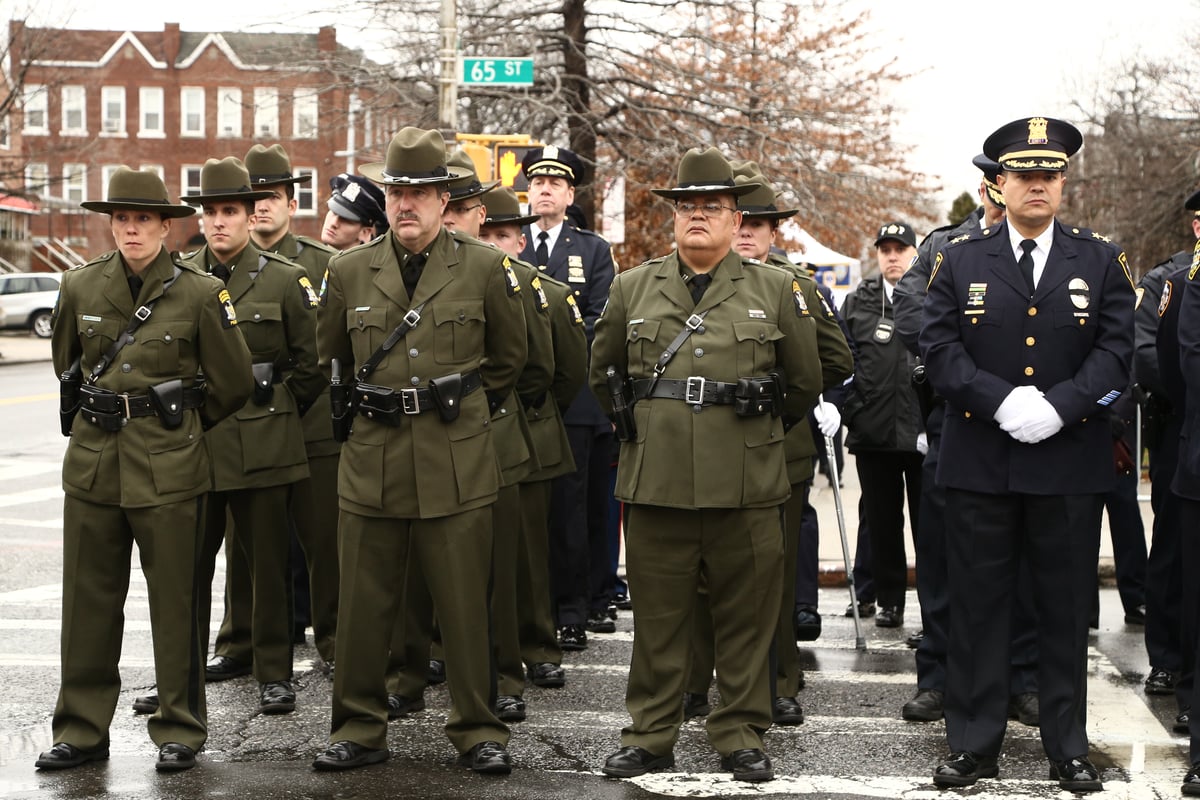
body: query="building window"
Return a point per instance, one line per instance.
(74, 183)
(266, 113)
(74, 111)
(229, 112)
(112, 110)
(306, 193)
(157, 169)
(5, 132)
(150, 104)
(106, 173)
(189, 179)
(191, 111)
(37, 110)
(37, 178)
(304, 114)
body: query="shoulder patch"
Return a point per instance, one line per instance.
(798, 299)
(511, 278)
(307, 293)
(1164, 302)
(321, 298)
(542, 302)
(1124, 262)
(576, 315)
(228, 315)
(937, 264)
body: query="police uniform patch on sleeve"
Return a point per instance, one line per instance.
(542, 302)
(1124, 262)
(229, 316)
(825, 306)
(321, 298)
(576, 316)
(798, 298)
(1137, 300)
(1164, 302)
(937, 264)
(511, 278)
(308, 293)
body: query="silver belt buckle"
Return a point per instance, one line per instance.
(693, 393)
(124, 398)
(409, 403)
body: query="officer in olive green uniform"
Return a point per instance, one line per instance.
(313, 500)
(134, 474)
(718, 352)
(419, 471)
(259, 452)
(540, 650)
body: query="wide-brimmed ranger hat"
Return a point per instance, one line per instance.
(225, 179)
(1034, 144)
(138, 190)
(990, 170)
(270, 166)
(760, 203)
(468, 185)
(415, 157)
(503, 208)
(705, 172)
(554, 162)
(357, 199)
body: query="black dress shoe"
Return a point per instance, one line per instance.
(695, 705)
(145, 703)
(1191, 782)
(889, 617)
(65, 756)
(1076, 775)
(622, 602)
(807, 624)
(510, 708)
(598, 622)
(630, 761)
(1024, 708)
(277, 697)
(348, 755)
(1183, 721)
(436, 673)
(400, 706)
(1136, 615)
(547, 675)
(866, 608)
(1159, 681)
(786, 711)
(926, 706)
(914, 640)
(175, 757)
(222, 668)
(748, 765)
(611, 611)
(963, 769)
(487, 758)
(572, 638)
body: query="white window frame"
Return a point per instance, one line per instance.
(74, 180)
(74, 101)
(151, 100)
(5, 131)
(36, 100)
(37, 177)
(186, 188)
(106, 173)
(157, 169)
(229, 113)
(306, 193)
(266, 113)
(110, 125)
(188, 97)
(305, 105)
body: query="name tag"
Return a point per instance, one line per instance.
(363, 308)
(90, 318)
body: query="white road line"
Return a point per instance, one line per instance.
(31, 496)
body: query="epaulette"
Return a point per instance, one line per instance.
(585, 231)
(935, 232)
(1085, 233)
(103, 258)
(281, 259)
(316, 243)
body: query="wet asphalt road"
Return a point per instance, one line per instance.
(852, 744)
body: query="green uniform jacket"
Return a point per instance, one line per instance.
(551, 447)
(471, 319)
(189, 330)
(756, 324)
(263, 445)
(314, 257)
(837, 364)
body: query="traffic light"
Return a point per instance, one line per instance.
(481, 157)
(507, 162)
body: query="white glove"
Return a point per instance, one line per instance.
(829, 419)
(1040, 421)
(922, 443)
(1015, 404)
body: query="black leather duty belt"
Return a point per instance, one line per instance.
(125, 406)
(697, 391)
(383, 403)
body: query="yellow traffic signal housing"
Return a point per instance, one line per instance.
(498, 157)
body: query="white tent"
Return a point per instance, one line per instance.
(839, 272)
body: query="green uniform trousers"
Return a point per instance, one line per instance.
(454, 555)
(739, 553)
(97, 547)
(535, 611)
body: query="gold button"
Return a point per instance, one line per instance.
(974, 320)
(1029, 370)
(1083, 322)
(1029, 340)
(966, 414)
(1032, 311)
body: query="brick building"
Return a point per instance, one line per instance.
(167, 100)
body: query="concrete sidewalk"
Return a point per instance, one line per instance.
(22, 347)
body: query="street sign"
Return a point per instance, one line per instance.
(496, 71)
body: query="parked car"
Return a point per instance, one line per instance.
(27, 299)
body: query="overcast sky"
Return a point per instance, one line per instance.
(975, 66)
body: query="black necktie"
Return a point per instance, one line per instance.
(135, 287)
(221, 271)
(412, 273)
(542, 251)
(1026, 262)
(697, 285)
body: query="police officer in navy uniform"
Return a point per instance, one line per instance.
(355, 214)
(580, 572)
(1028, 336)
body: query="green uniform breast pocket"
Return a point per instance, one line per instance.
(474, 459)
(261, 325)
(755, 347)
(459, 333)
(97, 335)
(641, 341)
(163, 346)
(367, 328)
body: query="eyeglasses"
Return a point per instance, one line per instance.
(709, 210)
(463, 209)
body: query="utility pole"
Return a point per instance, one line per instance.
(448, 82)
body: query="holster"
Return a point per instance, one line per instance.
(447, 394)
(620, 392)
(102, 408)
(68, 396)
(927, 398)
(755, 397)
(379, 403)
(167, 399)
(264, 382)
